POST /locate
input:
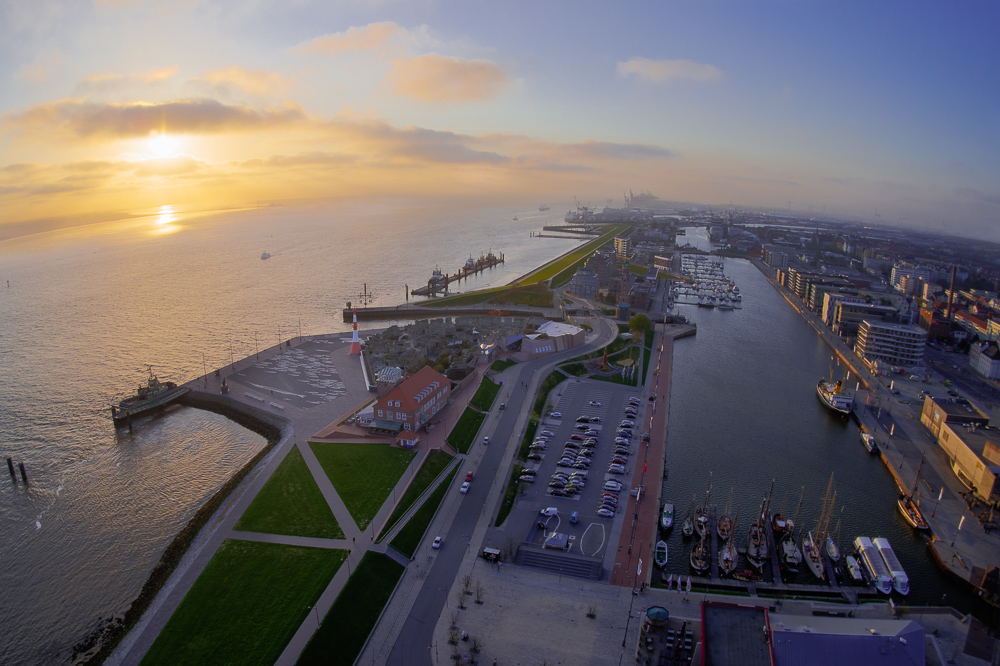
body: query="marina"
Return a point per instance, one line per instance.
(705, 284)
(439, 281)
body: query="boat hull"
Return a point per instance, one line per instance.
(660, 554)
(839, 403)
(911, 513)
(121, 414)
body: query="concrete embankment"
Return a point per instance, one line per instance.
(426, 312)
(261, 422)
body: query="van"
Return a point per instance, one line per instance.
(491, 554)
(573, 517)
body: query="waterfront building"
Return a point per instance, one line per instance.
(847, 316)
(661, 263)
(622, 246)
(775, 258)
(975, 458)
(640, 294)
(830, 300)
(413, 402)
(584, 283)
(897, 344)
(938, 411)
(984, 358)
(817, 289)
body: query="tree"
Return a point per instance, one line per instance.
(639, 323)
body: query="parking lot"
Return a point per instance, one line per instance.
(577, 441)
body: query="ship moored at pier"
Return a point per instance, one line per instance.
(831, 395)
(153, 395)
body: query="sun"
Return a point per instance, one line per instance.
(162, 145)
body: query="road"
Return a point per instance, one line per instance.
(415, 636)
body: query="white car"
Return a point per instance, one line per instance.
(594, 403)
(486, 440)
(627, 424)
(465, 487)
(436, 543)
(606, 513)
(551, 511)
(555, 415)
(612, 485)
(546, 433)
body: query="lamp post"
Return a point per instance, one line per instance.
(256, 350)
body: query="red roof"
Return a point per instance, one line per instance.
(407, 436)
(415, 389)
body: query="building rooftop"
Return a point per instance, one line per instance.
(735, 636)
(556, 328)
(822, 641)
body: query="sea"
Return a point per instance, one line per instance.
(87, 311)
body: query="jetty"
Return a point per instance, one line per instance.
(439, 281)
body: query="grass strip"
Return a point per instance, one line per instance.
(550, 382)
(465, 430)
(485, 395)
(561, 270)
(500, 366)
(509, 495)
(575, 369)
(529, 437)
(363, 474)
(246, 605)
(434, 464)
(648, 354)
(409, 537)
(291, 503)
(352, 617)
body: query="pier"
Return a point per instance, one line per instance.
(773, 548)
(440, 281)
(414, 312)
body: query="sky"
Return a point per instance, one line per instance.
(886, 111)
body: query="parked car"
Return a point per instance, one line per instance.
(592, 433)
(486, 440)
(616, 469)
(436, 543)
(574, 517)
(534, 456)
(526, 478)
(583, 419)
(611, 484)
(547, 433)
(465, 488)
(558, 492)
(502, 405)
(556, 415)
(576, 437)
(626, 424)
(605, 513)
(582, 426)
(594, 403)
(595, 419)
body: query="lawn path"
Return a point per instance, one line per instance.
(340, 511)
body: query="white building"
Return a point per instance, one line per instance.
(896, 344)
(984, 358)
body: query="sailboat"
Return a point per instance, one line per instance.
(728, 556)
(908, 503)
(778, 522)
(791, 555)
(699, 559)
(687, 529)
(757, 548)
(811, 544)
(832, 549)
(724, 525)
(701, 513)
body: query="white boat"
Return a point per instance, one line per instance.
(667, 517)
(831, 396)
(813, 556)
(900, 581)
(869, 442)
(854, 569)
(660, 554)
(873, 564)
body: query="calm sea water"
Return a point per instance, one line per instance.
(743, 406)
(87, 310)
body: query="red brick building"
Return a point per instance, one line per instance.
(413, 402)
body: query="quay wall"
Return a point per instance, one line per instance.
(418, 312)
(253, 418)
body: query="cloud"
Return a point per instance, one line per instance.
(618, 151)
(167, 166)
(977, 196)
(379, 140)
(372, 37)
(257, 82)
(434, 78)
(113, 83)
(86, 120)
(664, 71)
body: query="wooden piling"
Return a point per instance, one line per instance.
(10, 466)
(24, 475)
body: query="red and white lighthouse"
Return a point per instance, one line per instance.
(355, 342)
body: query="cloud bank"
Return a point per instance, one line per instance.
(665, 71)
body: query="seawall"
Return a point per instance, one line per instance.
(261, 422)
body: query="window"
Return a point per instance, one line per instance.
(380, 413)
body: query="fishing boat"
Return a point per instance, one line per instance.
(724, 525)
(699, 558)
(701, 513)
(667, 517)
(778, 523)
(907, 503)
(728, 555)
(873, 564)
(687, 529)
(900, 581)
(151, 396)
(660, 554)
(791, 555)
(869, 442)
(831, 396)
(854, 569)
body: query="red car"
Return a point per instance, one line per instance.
(468, 476)
(576, 437)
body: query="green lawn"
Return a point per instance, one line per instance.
(353, 615)
(554, 379)
(246, 604)
(485, 395)
(465, 430)
(472, 298)
(363, 474)
(509, 495)
(500, 366)
(575, 369)
(562, 269)
(434, 464)
(409, 537)
(291, 503)
(529, 437)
